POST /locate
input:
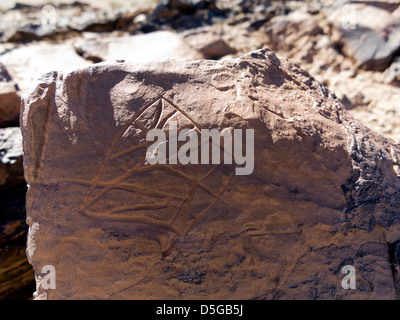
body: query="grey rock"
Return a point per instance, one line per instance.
(367, 34)
(155, 46)
(392, 74)
(30, 61)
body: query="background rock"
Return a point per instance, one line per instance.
(30, 61)
(174, 238)
(155, 46)
(16, 275)
(389, 5)
(208, 43)
(392, 74)
(10, 101)
(11, 169)
(371, 36)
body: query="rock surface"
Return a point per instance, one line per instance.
(28, 62)
(370, 35)
(16, 274)
(11, 169)
(155, 46)
(392, 74)
(208, 43)
(24, 23)
(10, 101)
(116, 228)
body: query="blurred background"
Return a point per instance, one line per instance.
(352, 47)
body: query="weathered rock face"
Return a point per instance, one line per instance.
(324, 192)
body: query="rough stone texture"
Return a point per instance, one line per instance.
(324, 192)
(155, 46)
(10, 101)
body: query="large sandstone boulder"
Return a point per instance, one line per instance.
(324, 192)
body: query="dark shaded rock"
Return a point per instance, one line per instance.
(182, 15)
(17, 280)
(188, 6)
(11, 169)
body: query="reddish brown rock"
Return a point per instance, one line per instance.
(10, 101)
(324, 192)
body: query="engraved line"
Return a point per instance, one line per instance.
(198, 127)
(113, 145)
(129, 150)
(145, 206)
(204, 211)
(191, 194)
(127, 186)
(122, 218)
(210, 172)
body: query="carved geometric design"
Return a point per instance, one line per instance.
(174, 208)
